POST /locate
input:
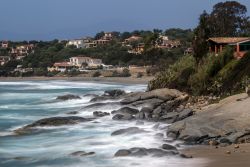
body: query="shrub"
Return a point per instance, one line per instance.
(96, 74)
(139, 75)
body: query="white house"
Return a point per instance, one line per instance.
(79, 43)
(80, 60)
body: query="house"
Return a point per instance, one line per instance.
(132, 39)
(22, 51)
(89, 62)
(4, 60)
(108, 36)
(241, 45)
(61, 66)
(139, 49)
(78, 43)
(5, 44)
(101, 42)
(188, 51)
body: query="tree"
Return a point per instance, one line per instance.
(202, 33)
(229, 19)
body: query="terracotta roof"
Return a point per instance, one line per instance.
(229, 40)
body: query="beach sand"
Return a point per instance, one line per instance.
(125, 80)
(222, 156)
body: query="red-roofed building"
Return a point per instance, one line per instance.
(240, 44)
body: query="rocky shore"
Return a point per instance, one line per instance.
(219, 125)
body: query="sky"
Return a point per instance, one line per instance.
(68, 19)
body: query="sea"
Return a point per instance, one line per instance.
(24, 102)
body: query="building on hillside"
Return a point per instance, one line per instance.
(5, 44)
(4, 60)
(107, 36)
(132, 39)
(241, 45)
(61, 66)
(81, 61)
(165, 43)
(22, 51)
(78, 43)
(139, 49)
(101, 42)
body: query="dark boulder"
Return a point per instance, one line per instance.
(140, 152)
(132, 130)
(168, 147)
(100, 114)
(82, 153)
(114, 93)
(123, 117)
(68, 97)
(126, 110)
(53, 121)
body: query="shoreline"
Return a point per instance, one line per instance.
(221, 156)
(124, 80)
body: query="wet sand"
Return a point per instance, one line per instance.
(222, 156)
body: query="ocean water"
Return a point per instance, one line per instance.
(24, 102)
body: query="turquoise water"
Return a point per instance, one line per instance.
(22, 103)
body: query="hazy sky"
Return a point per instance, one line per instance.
(64, 19)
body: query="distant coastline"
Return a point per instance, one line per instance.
(125, 80)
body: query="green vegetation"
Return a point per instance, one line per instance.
(203, 73)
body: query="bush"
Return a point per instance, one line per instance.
(125, 73)
(96, 74)
(139, 75)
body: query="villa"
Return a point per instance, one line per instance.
(61, 66)
(241, 45)
(133, 39)
(4, 60)
(5, 44)
(21, 51)
(81, 61)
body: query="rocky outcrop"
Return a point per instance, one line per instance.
(223, 123)
(157, 105)
(127, 131)
(53, 121)
(68, 97)
(109, 94)
(140, 152)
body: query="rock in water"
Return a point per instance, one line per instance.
(126, 110)
(114, 93)
(132, 130)
(68, 97)
(82, 153)
(100, 114)
(53, 121)
(140, 152)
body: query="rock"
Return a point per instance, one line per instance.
(228, 152)
(132, 130)
(100, 114)
(98, 105)
(82, 153)
(140, 152)
(123, 117)
(184, 114)
(122, 153)
(186, 156)
(213, 143)
(159, 135)
(72, 113)
(169, 147)
(226, 122)
(162, 94)
(140, 115)
(170, 117)
(53, 121)
(126, 110)
(150, 103)
(236, 146)
(114, 93)
(68, 97)
(139, 123)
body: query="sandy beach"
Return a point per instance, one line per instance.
(125, 80)
(222, 156)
